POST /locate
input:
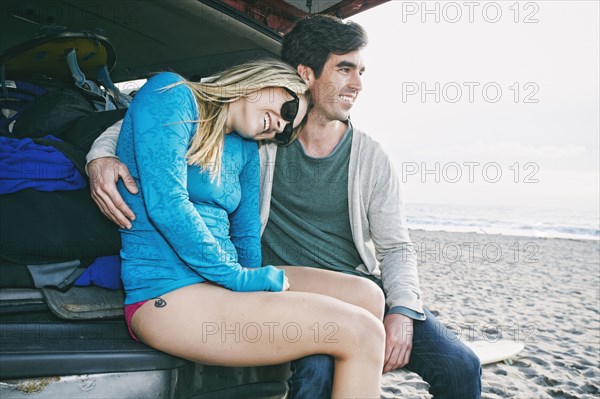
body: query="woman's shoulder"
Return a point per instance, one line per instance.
(165, 78)
(245, 148)
(247, 144)
(159, 89)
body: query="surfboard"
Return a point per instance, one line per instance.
(491, 352)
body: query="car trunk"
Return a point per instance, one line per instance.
(74, 343)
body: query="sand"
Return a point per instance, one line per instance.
(543, 292)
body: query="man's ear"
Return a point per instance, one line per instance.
(306, 73)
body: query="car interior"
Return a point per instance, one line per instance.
(61, 63)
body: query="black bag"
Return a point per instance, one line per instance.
(15, 97)
(60, 64)
(53, 113)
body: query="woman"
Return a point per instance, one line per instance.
(191, 261)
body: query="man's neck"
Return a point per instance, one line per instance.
(319, 137)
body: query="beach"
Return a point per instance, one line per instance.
(542, 292)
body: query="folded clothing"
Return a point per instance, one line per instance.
(26, 164)
(105, 272)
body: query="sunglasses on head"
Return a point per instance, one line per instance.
(289, 111)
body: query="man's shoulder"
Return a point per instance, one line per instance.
(366, 144)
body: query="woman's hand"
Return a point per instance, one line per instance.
(266, 278)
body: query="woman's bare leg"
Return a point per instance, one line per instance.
(212, 325)
(356, 290)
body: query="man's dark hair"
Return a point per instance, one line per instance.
(314, 38)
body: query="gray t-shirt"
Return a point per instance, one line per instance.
(309, 223)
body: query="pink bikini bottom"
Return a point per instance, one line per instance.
(129, 312)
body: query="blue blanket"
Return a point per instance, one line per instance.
(25, 164)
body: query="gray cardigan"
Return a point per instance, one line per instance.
(376, 218)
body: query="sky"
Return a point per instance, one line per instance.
(486, 103)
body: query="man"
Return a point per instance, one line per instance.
(331, 200)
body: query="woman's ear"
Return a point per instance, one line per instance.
(306, 73)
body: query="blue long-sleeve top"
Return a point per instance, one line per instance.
(189, 227)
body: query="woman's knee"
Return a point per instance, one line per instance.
(366, 332)
(370, 296)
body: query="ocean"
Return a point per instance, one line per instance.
(513, 221)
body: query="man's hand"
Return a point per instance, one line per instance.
(104, 174)
(398, 341)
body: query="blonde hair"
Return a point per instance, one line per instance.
(213, 98)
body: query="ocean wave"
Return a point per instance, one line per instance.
(504, 221)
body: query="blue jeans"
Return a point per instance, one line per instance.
(452, 370)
